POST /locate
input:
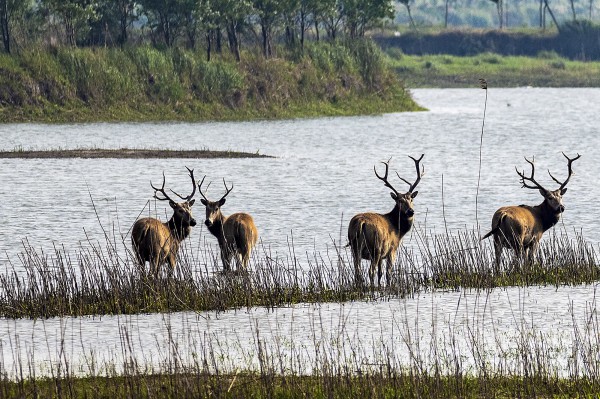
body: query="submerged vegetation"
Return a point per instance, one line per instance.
(105, 279)
(144, 83)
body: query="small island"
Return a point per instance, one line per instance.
(131, 153)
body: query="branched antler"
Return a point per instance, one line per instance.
(189, 197)
(385, 176)
(227, 190)
(161, 191)
(570, 169)
(420, 173)
(525, 179)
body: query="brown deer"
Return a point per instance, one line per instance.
(157, 242)
(235, 233)
(520, 228)
(375, 237)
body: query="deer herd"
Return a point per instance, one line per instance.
(371, 236)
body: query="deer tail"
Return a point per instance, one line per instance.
(494, 229)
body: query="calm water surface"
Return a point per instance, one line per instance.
(323, 173)
(321, 176)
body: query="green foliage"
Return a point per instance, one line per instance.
(144, 82)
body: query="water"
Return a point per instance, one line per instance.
(321, 176)
(323, 173)
(496, 327)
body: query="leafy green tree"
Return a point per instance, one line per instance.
(332, 16)
(361, 15)
(268, 12)
(167, 18)
(113, 20)
(75, 16)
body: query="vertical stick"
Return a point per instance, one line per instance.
(483, 85)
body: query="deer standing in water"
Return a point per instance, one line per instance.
(375, 237)
(156, 242)
(235, 233)
(520, 228)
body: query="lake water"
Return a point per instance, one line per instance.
(321, 176)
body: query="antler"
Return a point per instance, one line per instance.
(161, 190)
(524, 178)
(200, 188)
(569, 163)
(384, 178)
(420, 173)
(189, 197)
(227, 190)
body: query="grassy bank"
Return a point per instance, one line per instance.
(143, 83)
(445, 71)
(105, 279)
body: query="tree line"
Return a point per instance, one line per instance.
(212, 24)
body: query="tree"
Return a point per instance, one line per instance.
(167, 18)
(407, 5)
(75, 15)
(4, 17)
(499, 11)
(361, 15)
(268, 13)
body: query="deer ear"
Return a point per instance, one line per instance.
(222, 202)
(543, 192)
(172, 204)
(192, 202)
(203, 202)
(394, 196)
(563, 191)
(414, 194)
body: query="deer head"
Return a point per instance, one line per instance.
(404, 202)
(182, 211)
(213, 208)
(552, 198)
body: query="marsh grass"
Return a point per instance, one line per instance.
(103, 278)
(546, 70)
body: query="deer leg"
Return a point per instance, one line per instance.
(532, 252)
(388, 271)
(375, 263)
(497, 252)
(226, 258)
(357, 257)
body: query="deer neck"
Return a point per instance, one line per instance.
(548, 216)
(179, 231)
(399, 220)
(216, 229)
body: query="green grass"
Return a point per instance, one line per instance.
(378, 385)
(146, 84)
(445, 71)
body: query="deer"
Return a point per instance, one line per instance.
(521, 227)
(236, 233)
(156, 242)
(375, 237)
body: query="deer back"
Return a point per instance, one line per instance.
(374, 233)
(239, 228)
(152, 240)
